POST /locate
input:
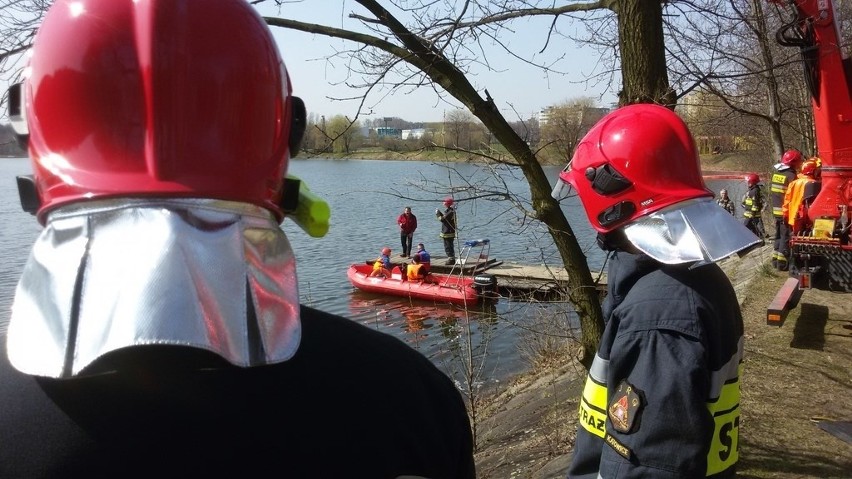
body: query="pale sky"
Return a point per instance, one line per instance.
(514, 86)
(518, 89)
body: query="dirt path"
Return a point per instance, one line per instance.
(798, 379)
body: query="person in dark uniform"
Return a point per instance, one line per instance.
(725, 202)
(156, 329)
(662, 395)
(783, 174)
(448, 228)
(753, 205)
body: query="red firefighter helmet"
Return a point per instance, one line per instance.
(636, 160)
(173, 99)
(448, 202)
(752, 179)
(811, 168)
(791, 157)
(386, 251)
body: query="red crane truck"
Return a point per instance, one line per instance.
(821, 254)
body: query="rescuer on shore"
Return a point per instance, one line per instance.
(783, 174)
(753, 205)
(662, 396)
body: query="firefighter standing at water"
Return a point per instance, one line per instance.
(783, 174)
(753, 205)
(156, 329)
(662, 396)
(448, 228)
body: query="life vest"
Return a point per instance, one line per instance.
(414, 271)
(795, 202)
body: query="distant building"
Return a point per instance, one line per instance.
(413, 134)
(585, 115)
(386, 132)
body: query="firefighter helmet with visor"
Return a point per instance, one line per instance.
(638, 169)
(157, 99)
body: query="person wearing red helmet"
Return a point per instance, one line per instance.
(448, 228)
(662, 395)
(783, 173)
(382, 266)
(156, 328)
(800, 194)
(753, 205)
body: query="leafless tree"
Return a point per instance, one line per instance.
(728, 50)
(566, 124)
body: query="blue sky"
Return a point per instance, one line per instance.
(514, 85)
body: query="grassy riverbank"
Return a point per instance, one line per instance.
(797, 379)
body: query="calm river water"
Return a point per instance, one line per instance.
(365, 197)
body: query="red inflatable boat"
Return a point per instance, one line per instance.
(454, 287)
(444, 288)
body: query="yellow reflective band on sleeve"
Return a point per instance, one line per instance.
(724, 449)
(592, 412)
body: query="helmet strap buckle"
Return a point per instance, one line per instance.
(606, 180)
(616, 213)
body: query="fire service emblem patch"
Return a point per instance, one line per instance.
(625, 408)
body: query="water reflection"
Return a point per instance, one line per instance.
(363, 219)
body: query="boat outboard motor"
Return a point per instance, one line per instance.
(485, 285)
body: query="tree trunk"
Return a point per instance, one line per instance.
(643, 55)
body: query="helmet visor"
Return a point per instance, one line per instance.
(563, 184)
(694, 230)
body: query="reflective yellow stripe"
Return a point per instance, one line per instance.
(779, 179)
(593, 408)
(724, 449)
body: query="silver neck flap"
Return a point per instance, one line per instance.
(110, 274)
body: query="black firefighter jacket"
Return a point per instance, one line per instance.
(662, 397)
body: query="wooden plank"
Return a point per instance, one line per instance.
(786, 298)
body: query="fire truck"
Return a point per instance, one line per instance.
(821, 252)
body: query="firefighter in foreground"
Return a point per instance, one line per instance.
(753, 205)
(156, 329)
(662, 397)
(783, 173)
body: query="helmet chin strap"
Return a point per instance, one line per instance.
(615, 240)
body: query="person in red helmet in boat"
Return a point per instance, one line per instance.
(448, 228)
(382, 266)
(662, 395)
(156, 328)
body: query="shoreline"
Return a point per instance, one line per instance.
(790, 387)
